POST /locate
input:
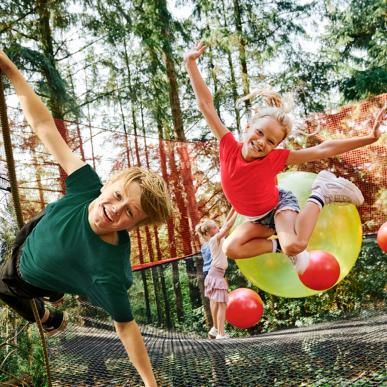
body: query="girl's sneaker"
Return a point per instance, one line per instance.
(334, 189)
(212, 333)
(56, 323)
(222, 337)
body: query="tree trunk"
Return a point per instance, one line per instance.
(171, 237)
(167, 309)
(155, 277)
(186, 174)
(233, 85)
(54, 100)
(242, 51)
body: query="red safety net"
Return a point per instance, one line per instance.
(192, 172)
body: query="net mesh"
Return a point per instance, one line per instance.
(345, 353)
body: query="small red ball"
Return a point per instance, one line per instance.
(381, 237)
(244, 308)
(322, 272)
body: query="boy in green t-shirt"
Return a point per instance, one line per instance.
(80, 245)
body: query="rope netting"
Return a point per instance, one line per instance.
(350, 351)
(341, 353)
(192, 172)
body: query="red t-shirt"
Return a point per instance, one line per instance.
(250, 187)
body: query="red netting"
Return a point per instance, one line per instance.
(192, 172)
(366, 166)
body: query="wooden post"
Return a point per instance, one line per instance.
(9, 156)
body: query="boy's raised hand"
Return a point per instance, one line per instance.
(376, 131)
(195, 53)
(5, 62)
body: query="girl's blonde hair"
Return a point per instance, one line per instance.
(202, 229)
(276, 107)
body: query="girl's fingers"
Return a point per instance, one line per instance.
(200, 45)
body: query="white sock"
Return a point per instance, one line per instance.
(317, 197)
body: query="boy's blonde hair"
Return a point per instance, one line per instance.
(202, 229)
(276, 108)
(155, 198)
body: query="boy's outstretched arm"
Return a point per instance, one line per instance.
(39, 117)
(131, 338)
(332, 148)
(203, 94)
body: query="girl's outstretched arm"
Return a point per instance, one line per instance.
(227, 225)
(39, 117)
(203, 94)
(332, 148)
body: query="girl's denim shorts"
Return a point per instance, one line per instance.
(287, 201)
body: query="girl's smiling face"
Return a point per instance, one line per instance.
(261, 138)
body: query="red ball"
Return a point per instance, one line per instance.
(322, 272)
(244, 308)
(381, 237)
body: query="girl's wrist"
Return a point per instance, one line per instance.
(189, 60)
(371, 138)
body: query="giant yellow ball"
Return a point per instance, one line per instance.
(338, 231)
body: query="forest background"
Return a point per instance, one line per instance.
(112, 74)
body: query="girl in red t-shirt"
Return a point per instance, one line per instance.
(249, 169)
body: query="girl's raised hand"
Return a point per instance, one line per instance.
(376, 131)
(194, 53)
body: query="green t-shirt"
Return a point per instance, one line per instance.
(63, 254)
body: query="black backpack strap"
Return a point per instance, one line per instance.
(25, 231)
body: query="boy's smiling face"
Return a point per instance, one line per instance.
(261, 138)
(116, 208)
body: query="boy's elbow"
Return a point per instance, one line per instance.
(205, 106)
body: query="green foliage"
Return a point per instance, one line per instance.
(362, 290)
(51, 84)
(24, 354)
(363, 84)
(357, 37)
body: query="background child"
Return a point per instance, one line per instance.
(81, 244)
(207, 259)
(215, 284)
(249, 170)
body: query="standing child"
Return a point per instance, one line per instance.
(249, 170)
(81, 244)
(207, 259)
(215, 285)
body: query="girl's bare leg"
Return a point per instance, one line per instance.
(294, 230)
(214, 313)
(221, 317)
(247, 240)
